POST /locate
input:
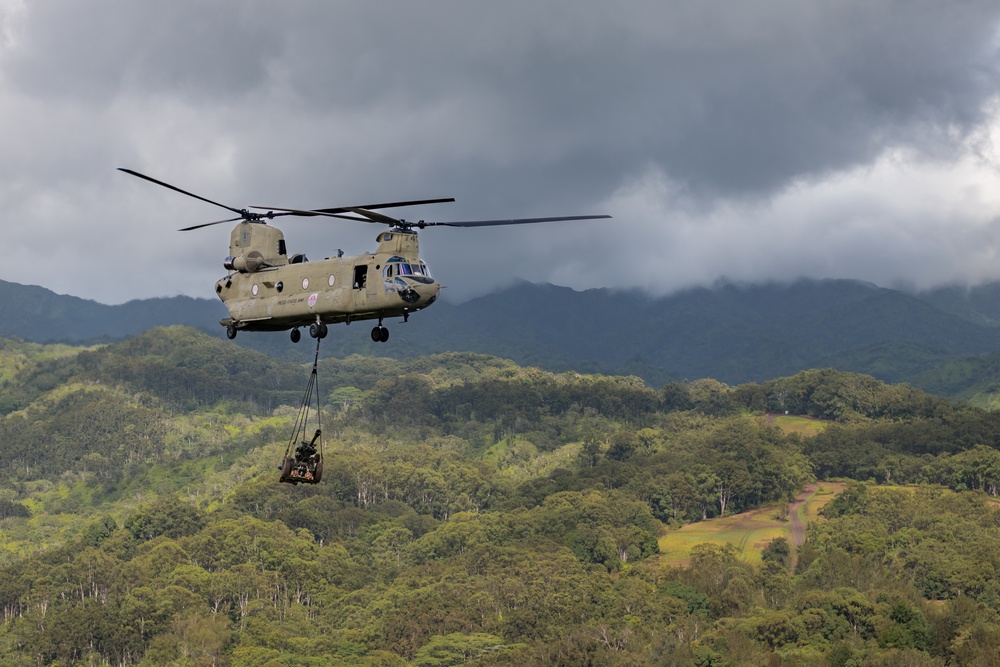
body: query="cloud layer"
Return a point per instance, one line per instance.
(763, 140)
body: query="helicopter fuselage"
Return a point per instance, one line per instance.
(282, 293)
(266, 290)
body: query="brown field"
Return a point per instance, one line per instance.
(751, 531)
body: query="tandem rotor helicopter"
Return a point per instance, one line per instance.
(268, 290)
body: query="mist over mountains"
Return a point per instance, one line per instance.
(733, 333)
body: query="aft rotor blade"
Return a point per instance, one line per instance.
(208, 224)
(332, 212)
(306, 213)
(185, 192)
(514, 221)
(252, 217)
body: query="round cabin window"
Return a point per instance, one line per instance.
(305, 283)
(332, 279)
(254, 289)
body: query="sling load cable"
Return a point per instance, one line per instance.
(304, 463)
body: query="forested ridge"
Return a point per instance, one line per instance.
(474, 511)
(935, 340)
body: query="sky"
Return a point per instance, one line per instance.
(752, 141)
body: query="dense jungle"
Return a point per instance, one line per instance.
(474, 511)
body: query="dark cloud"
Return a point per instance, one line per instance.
(687, 121)
(95, 51)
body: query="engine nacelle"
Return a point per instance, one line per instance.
(254, 246)
(248, 263)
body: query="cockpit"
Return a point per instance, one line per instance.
(410, 279)
(397, 266)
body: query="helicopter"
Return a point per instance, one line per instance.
(266, 289)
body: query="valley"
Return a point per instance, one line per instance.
(483, 510)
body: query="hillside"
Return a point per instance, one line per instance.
(39, 315)
(730, 333)
(474, 512)
(980, 304)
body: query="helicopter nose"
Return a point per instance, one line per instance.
(428, 292)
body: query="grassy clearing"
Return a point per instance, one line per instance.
(804, 426)
(811, 505)
(749, 532)
(912, 488)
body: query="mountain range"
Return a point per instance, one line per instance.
(940, 340)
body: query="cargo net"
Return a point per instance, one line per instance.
(303, 462)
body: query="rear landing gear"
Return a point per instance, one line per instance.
(295, 335)
(380, 334)
(231, 331)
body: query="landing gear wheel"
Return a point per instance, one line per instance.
(295, 335)
(376, 334)
(231, 331)
(383, 335)
(318, 330)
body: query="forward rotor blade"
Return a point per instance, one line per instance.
(184, 192)
(392, 204)
(376, 217)
(514, 221)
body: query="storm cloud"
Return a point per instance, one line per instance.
(756, 141)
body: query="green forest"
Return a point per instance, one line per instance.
(476, 512)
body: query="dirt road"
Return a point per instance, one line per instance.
(798, 529)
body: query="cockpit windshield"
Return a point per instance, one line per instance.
(402, 268)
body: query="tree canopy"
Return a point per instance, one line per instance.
(476, 512)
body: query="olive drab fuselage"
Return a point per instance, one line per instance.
(268, 291)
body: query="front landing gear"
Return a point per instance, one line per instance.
(231, 331)
(317, 330)
(295, 335)
(380, 334)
